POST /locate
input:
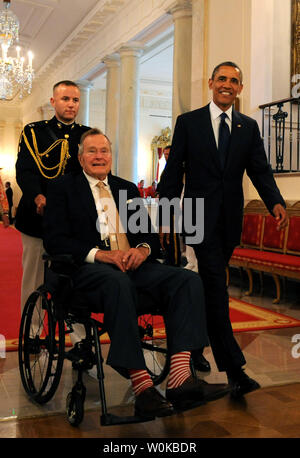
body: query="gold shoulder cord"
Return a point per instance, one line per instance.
(37, 156)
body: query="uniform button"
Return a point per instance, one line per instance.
(67, 135)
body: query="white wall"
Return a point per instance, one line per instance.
(97, 109)
(155, 115)
(10, 129)
(269, 75)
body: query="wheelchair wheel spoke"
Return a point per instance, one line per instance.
(41, 351)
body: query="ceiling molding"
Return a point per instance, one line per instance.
(83, 33)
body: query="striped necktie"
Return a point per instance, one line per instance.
(118, 240)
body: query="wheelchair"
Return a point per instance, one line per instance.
(48, 317)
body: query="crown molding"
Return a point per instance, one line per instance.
(84, 32)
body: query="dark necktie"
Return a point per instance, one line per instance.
(224, 138)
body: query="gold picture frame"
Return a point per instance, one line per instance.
(295, 39)
(157, 145)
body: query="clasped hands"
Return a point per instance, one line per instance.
(124, 260)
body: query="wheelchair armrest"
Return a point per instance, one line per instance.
(62, 264)
(63, 258)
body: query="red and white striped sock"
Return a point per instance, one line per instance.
(179, 369)
(140, 380)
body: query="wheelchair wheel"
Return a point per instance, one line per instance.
(75, 408)
(41, 347)
(155, 349)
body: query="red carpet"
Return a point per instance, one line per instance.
(248, 317)
(244, 316)
(10, 284)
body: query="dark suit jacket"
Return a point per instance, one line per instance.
(70, 217)
(29, 177)
(194, 152)
(9, 195)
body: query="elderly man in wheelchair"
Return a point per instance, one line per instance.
(111, 272)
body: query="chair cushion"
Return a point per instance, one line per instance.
(268, 258)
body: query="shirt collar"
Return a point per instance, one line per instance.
(65, 125)
(94, 181)
(215, 111)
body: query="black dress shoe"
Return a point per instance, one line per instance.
(241, 385)
(194, 392)
(199, 362)
(150, 404)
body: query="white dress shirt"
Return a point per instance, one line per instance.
(215, 113)
(102, 218)
(104, 224)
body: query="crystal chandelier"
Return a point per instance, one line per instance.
(15, 76)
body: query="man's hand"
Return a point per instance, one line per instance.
(124, 260)
(40, 202)
(281, 216)
(115, 257)
(134, 257)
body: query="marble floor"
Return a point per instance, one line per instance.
(273, 359)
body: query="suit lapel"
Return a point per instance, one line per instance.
(236, 135)
(85, 196)
(114, 189)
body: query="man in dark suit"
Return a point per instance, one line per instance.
(82, 220)
(9, 195)
(171, 241)
(47, 149)
(214, 153)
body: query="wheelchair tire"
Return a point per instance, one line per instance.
(41, 347)
(155, 350)
(75, 408)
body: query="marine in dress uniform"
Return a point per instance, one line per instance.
(47, 150)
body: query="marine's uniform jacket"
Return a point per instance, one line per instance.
(47, 150)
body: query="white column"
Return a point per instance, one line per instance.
(18, 130)
(182, 17)
(46, 111)
(199, 80)
(83, 116)
(129, 111)
(112, 63)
